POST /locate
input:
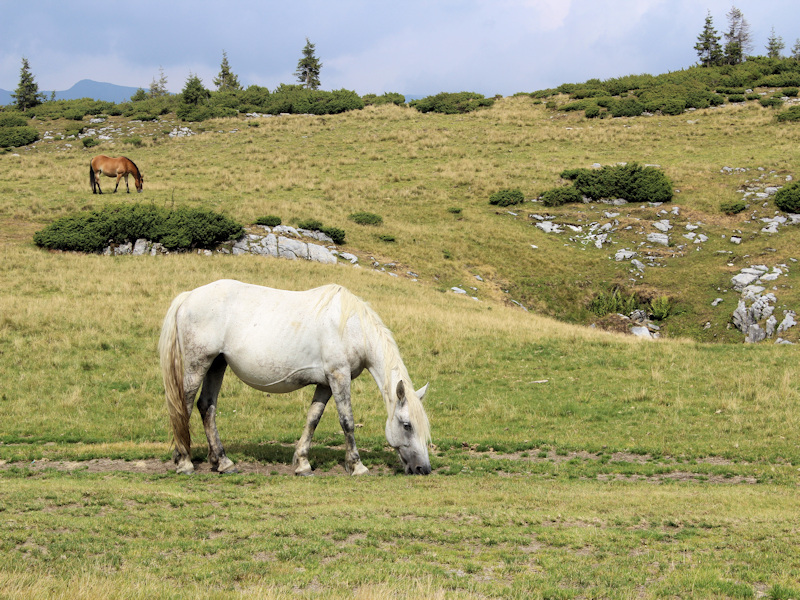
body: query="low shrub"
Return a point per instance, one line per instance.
(592, 112)
(269, 221)
(387, 238)
(732, 207)
(184, 228)
(561, 195)
(12, 137)
(788, 198)
(626, 107)
(90, 142)
(12, 120)
(792, 114)
(630, 182)
(660, 308)
(773, 102)
(736, 98)
(387, 98)
(335, 233)
(614, 301)
(366, 218)
(452, 103)
(507, 197)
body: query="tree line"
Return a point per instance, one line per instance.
(738, 42)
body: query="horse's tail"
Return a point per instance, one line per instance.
(92, 180)
(169, 349)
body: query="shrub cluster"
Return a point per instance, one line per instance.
(452, 103)
(792, 114)
(788, 198)
(630, 182)
(387, 98)
(732, 207)
(183, 228)
(507, 197)
(269, 221)
(366, 218)
(561, 195)
(14, 130)
(335, 233)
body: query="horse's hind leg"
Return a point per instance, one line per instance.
(300, 461)
(207, 405)
(191, 383)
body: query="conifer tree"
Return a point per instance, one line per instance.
(738, 42)
(193, 91)
(27, 93)
(796, 50)
(775, 45)
(308, 68)
(159, 88)
(226, 81)
(707, 46)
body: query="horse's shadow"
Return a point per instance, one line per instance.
(280, 455)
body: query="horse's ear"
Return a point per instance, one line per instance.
(421, 391)
(401, 392)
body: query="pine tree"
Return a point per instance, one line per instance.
(796, 50)
(27, 93)
(738, 42)
(308, 68)
(193, 91)
(226, 81)
(775, 45)
(159, 88)
(707, 46)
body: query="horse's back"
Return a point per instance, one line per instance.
(265, 334)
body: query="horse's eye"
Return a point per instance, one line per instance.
(407, 426)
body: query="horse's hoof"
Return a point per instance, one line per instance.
(304, 472)
(359, 469)
(225, 466)
(185, 471)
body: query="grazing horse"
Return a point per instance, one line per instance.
(279, 341)
(114, 167)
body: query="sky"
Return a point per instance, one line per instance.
(413, 47)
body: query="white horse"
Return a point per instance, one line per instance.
(280, 341)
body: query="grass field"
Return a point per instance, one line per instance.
(568, 462)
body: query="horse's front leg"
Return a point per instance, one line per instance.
(116, 186)
(300, 460)
(340, 385)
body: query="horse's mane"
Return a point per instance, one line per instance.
(392, 361)
(138, 172)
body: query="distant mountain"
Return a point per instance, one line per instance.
(86, 88)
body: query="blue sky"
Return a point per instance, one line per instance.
(414, 47)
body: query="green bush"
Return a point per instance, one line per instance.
(366, 218)
(452, 103)
(788, 198)
(592, 112)
(507, 197)
(269, 221)
(387, 98)
(732, 207)
(626, 107)
(184, 228)
(791, 92)
(387, 238)
(90, 142)
(12, 120)
(771, 102)
(630, 182)
(792, 114)
(736, 98)
(336, 234)
(613, 302)
(561, 195)
(660, 308)
(12, 137)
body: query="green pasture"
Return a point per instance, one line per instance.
(568, 462)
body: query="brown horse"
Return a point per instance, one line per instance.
(113, 167)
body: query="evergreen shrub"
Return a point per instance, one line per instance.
(630, 182)
(506, 197)
(12, 137)
(452, 103)
(788, 198)
(335, 233)
(561, 195)
(792, 114)
(733, 207)
(183, 228)
(12, 120)
(366, 218)
(269, 221)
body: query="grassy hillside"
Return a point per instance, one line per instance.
(568, 461)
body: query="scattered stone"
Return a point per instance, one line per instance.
(658, 238)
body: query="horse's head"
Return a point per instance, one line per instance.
(407, 430)
(139, 183)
